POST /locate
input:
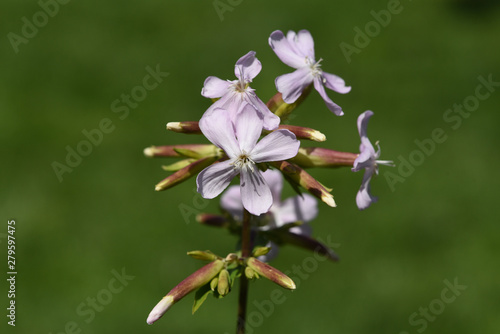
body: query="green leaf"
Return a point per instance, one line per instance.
(234, 274)
(200, 296)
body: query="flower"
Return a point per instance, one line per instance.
(367, 159)
(233, 93)
(297, 51)
(298, 208)
(244, 152)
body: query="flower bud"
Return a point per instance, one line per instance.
(250, 273)
(305, 180)
(184, 127)
(203, 255)
(231, 257)
(323, 157)
(213, 283)
(283, 109)
(212, 220)
(259, 251)
(223, 286)
(178, 165)
(201, 150)
(185, 173)
(303, 133)
(271, 273)
(196, 280)
(304, 241)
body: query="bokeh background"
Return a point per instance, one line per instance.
(104, 216)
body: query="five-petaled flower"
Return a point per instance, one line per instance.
(233, 93)
(297, 51)
(367, 160)
(302, 208)
(244, 153)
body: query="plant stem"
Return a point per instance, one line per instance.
(246, 249)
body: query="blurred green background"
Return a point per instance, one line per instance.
(437, 225)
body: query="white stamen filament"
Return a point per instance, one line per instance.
(315, 67)
(243, 161)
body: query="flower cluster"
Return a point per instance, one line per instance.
(250, 144)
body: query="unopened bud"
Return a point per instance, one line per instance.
(300, 177)
(194, 281)
(184, 127)
(203, 255)
(223, 286)
(323, 157)
(259, 251)
(212, 220)
(306, 242)
(283, 109)
(250, 273)
(184, 173)
(231, 257)
(178, 165)
(199, 150)
(303, 133)
(271, 273)
(213, 283)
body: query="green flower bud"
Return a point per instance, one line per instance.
(203, 255)
(194, 281)
(323, 157)
(185, 173)
(271, 273)
(259, 251)
(250, 273)
(223, 286)
(213, 283)
(300, 177)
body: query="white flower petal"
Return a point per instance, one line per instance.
(276, 146)
(292, 85)
(298, 208)
(281, 46)
(255, 193)
(335, 83)
(231, 202)
(217, 127)
(248, 127)
(318, 85)
(215, 178)
(363, 198)
(363, 123)
(274, 180)
(305, 44)
(271, 121)
(214, 87)
(247, 67)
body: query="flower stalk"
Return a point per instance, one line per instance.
(246, 249)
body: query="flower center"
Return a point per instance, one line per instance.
(314, 66)
(240, 86)
(243, 161)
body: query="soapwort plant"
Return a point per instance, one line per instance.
(252, 147)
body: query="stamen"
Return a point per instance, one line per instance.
(243, 161)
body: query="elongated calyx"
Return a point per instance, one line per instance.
(197, 279)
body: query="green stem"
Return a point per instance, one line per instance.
(246, 250)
